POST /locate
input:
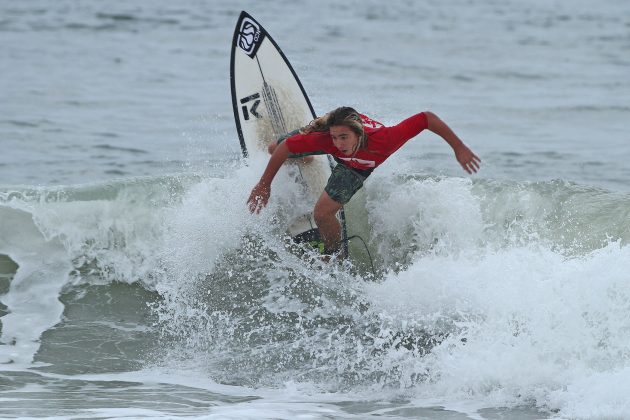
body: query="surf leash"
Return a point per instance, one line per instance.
(366, 250)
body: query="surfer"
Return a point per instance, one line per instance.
(359, 145)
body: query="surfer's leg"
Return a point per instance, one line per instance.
(342, 185)
(325, 215)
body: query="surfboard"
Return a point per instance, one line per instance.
(269, 101)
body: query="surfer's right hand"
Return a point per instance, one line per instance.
(259, 197)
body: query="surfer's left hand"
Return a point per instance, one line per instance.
(469, 161)
(259, 197)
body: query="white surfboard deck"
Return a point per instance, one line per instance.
(269, 101)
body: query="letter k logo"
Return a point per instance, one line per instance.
(253, 108)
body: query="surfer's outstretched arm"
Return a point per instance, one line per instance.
(261, 192)
(466, 158)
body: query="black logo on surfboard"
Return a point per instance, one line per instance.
(250, 36)
(253, 107)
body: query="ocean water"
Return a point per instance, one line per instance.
(135, 284)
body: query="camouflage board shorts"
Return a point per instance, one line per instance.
(343, 183)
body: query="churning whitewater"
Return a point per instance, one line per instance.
(490, 289)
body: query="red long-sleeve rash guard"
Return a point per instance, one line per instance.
(382, 142)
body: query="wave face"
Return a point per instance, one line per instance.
(512, 293)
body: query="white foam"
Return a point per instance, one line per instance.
(599, 395)
(32, 299)
(535, 323)
(422, 213)
(528, 321)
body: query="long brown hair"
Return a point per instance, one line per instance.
(343, 115)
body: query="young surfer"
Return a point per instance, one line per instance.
(359, 145)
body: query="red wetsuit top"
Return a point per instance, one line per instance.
(382, 142)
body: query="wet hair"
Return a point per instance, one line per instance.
(346, 116)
